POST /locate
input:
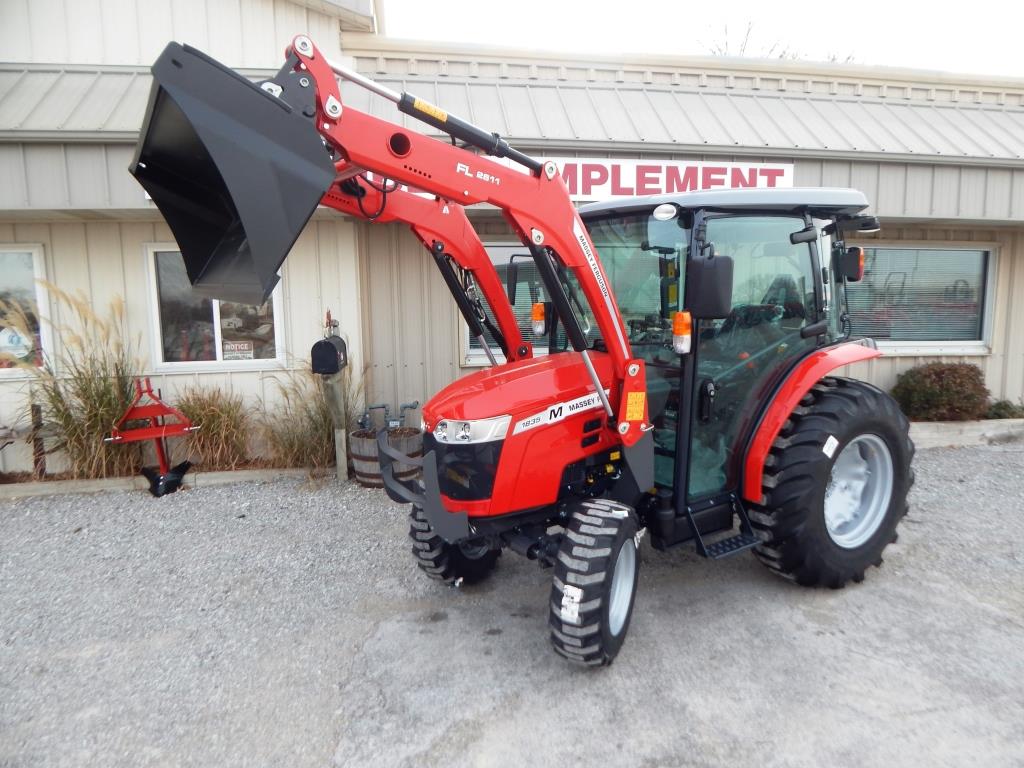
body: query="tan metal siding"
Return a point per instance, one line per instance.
(1017, 196)
(42, 178)
(998, 193)
(102, 259)
(248, 33)
(972, 193)
(920, 179)
(410, 321)
(835, 173)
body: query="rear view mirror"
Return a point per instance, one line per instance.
(709, 287)
(806, 235)
(851, 264)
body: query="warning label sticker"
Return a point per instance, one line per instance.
(635, 406)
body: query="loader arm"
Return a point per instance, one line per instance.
(536, 205)
(444, 230)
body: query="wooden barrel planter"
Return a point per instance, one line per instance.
(363, 445)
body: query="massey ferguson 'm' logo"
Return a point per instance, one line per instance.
(465, 170)
(558, 411)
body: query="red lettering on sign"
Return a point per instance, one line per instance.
(593, 175)
(771, 175)
(617, 188)
(741, 177)
(712, 176)
(680, 179)
(647, 181)
(570, 178)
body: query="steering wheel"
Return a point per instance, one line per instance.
(744, 318)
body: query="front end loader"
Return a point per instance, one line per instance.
(689, 393)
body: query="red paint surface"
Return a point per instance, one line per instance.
(808, 373)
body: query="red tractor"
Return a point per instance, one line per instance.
(686, 390)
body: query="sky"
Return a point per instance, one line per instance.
(980, 37)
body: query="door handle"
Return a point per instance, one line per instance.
(706, 403)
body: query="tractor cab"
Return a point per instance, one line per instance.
(781, 298)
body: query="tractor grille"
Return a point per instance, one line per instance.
(465, 472)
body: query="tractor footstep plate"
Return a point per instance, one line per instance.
(731, 545)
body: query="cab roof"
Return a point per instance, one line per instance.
(824, 201)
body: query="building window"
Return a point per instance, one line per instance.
(197, 330)
(23, 337)
(529, 290)
(922, 297)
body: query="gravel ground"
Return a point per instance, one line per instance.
(284, 624)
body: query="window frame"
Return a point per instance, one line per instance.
(42, 304)
(979, 348)
(278, 362)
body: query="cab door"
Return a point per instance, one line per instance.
(643, 256)
(740, 359)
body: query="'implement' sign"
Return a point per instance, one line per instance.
(590, 178)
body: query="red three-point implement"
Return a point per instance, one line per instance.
(155, 413)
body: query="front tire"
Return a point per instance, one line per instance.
(594, 584)
(836, 484)
(465, 562)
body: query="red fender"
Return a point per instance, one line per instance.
(799, 382)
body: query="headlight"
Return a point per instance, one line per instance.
(474, 431)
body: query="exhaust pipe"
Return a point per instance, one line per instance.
(235, 171)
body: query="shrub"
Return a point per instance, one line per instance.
(299, 431)
(87, 388)
(221, 442)
(1004, 409)
(942, 392)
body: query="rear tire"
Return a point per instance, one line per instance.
(594, 583)
(466, 562)
(836, 484)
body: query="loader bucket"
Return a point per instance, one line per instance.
(235, 172)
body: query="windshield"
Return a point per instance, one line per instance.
(642, 257)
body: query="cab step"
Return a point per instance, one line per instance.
(730, 545)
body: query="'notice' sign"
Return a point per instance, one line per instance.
(590, 178)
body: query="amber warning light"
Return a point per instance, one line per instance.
(682, 332)
(537, 316)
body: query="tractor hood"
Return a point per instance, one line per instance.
(517, 389)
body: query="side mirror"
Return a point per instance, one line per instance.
(709, 286)
(851, 264)
(512, 278)
(860, 224)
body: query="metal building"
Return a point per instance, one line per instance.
(940, 155)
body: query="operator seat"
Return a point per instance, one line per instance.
(783, 291)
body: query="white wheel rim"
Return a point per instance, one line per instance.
(621, 592)
(859, 491)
